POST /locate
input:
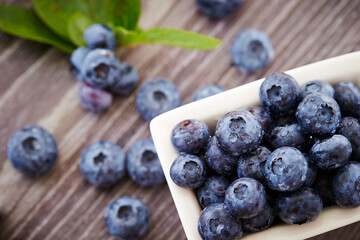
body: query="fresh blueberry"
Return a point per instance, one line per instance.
(94, 99)
(103, 163)
(284, 120)
(347, 94)
(318, 86)
(245, 198)
(125, 81)
(127, 218)
(280, 94)
(190, 136)
(213, 191)
(350, 128)
(288, 135)
(157, 96)
(32, 150)
(100, 68)
(322, 185)
(332, 152)
(216, 8)
(286, 169)
(76, 61)
(143, 165)
(188, 171)
(262, 116)
(207, 91)
(100, 36)
(238, 133)
(346, 185)
(215, 223)
(252, 50)
(218, 161)
(261, 221)
(318, 114)
(299, 207)
(311, 173)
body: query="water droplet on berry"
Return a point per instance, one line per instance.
(233, 137)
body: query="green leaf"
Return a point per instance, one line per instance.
(167, 36)
(77, 25)
(124, 13)
(24, 23)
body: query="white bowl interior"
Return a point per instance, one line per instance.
(209, 110)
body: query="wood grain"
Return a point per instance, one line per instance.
(37, 88)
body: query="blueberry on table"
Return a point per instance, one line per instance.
(143, 165)
(76, 61)
(318, 86)
(350, 128)
(127, 218)
(262, 116)
(213, 191)
(94, 99)
(215, 223)
(318, 114)
(261, 221)
(286, 169)
(188, 171)
(103, 163)
(288, 135)
(157, 96)
(100, 36)
(190, 136)
(252, 50)
(216, 8)
(347, 95)
(32, 150)
(208, 91)
(299, 207)
(125, 81)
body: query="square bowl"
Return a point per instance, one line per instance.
(209, 110)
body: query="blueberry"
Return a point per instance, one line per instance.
(103, 163)
(76, 61)
(252, 50)
(238, 133)
(280, 94)
(188, 171)
(100, 36)
(218, 161)
(286, 169)
(157, 96)
(318, 114)
(322, 185)
(346, 185)
(125, 81)
(32, 150)
(347, 94)
(318, 86)
(100, 68)
(261, 221)
(311, 173)
(252, 164)
(216, 8)
(299, 207)
(350, 128)
(213, 191)
(288, 135)
(207, 91)
(190, 136)
(262, 116)
(94, 99)
(215, 223)
(143, 165)
(127, 218)
(245, 198)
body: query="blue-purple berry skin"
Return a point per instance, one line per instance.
(346, 185)
(190, 136)
(218, 9)
(322, 185)
(143, 165)
(262, 116)
(286, 169)
(252, 50)
(238, 132)
(318, 86)
(350, 128)
(213, 191)
(157, 96)
(311, 173)
(76, 61)
(318, 114)
(94, 99)
(208, 91)
(100, 36)
(32, 150)
(188, 171)
(125, 81)
(261, 221)
(347, 95)
(215, 223)
(127, 218)
(103, 163)
(245, 198)
(301, 206)
(288, 135)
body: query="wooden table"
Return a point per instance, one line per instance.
(37, 88)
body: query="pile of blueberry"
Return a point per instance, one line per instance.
(281, 161)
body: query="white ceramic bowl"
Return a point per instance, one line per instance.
(209, 110)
